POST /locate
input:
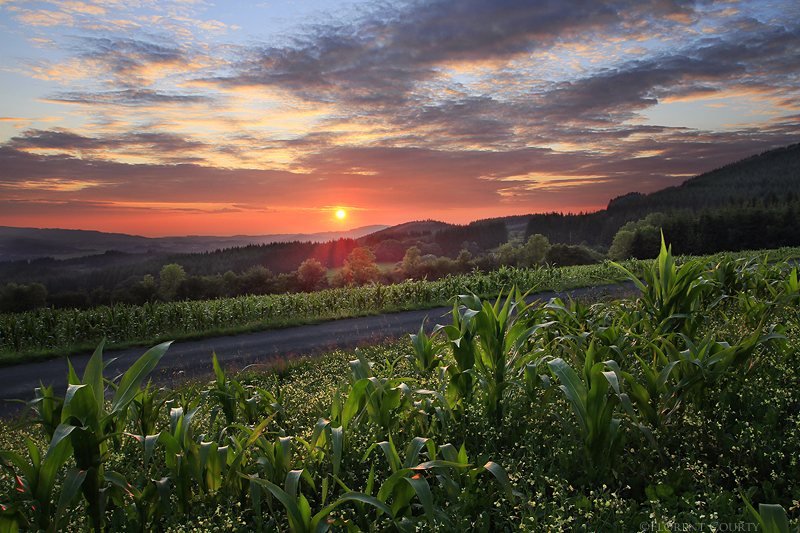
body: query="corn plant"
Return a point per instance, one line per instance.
(46, 408)
(226, 393)
(430, 414)
(502, 332)
(424, 359)
(150, 502)
(672, 298)
(379, 398)
(327, 441)
(771, 517)
(452, 470)
(298, 508)
(594, 407)
(178, 444)
(461, 337)
(145, 409)
(234, 400)
(404, 483)
(86, 426)
(785, 293)
(734, 276)
(658, 398)
(274, 457)
(35, 480)
(463, 487)
(702, 363)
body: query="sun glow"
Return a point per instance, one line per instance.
(340, 213)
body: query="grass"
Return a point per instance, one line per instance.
(383, 267)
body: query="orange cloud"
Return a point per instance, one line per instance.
(42, 17)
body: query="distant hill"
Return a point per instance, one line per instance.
(403, 231)
(772, 177)
(437, 238)
(31, 243)
(769, 175)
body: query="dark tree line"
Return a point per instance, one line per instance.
(752, 226)
(768, 180)
(486, 234)
(60, 276)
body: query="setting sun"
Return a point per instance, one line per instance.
(340, 213)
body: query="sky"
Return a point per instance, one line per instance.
(189, 117)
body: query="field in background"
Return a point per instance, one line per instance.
(46, 332)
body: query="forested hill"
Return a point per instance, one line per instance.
(769, 176)
(768, 182)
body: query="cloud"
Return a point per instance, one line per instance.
(383, 55)
(395, 75)
(42, 17)
(130, 59)
(170, 148)
(128, 98)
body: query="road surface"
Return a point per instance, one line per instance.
(193, 359)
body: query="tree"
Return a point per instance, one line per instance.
(621, 246)
(231, 283)
(18, 299)
(258, 280)
(464, 262)
(389, 251)
(561, 255)
(312, 275)
(171, 277)
(534, 250)
(508, 254)
(286, 283)
(360, 267)
(646, 242)
(411, 263)
(144, 291)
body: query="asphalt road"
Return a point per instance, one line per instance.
(193, 359)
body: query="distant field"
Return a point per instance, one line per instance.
(385, 267)
(50, 332)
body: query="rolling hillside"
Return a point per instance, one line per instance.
(768, 179)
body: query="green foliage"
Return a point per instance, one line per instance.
(771, 517)
(750, 204)
(501, 332)
(424, 358)
(411, 263)
(534, 251)
(49, 328)
(312, 275)
(622, 245)
(360, 267)
(570, 255)
(19, 299)
(671, 298)
(87, 424)
(171, 277)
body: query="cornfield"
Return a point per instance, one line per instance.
(602, 416)
(49, 328)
